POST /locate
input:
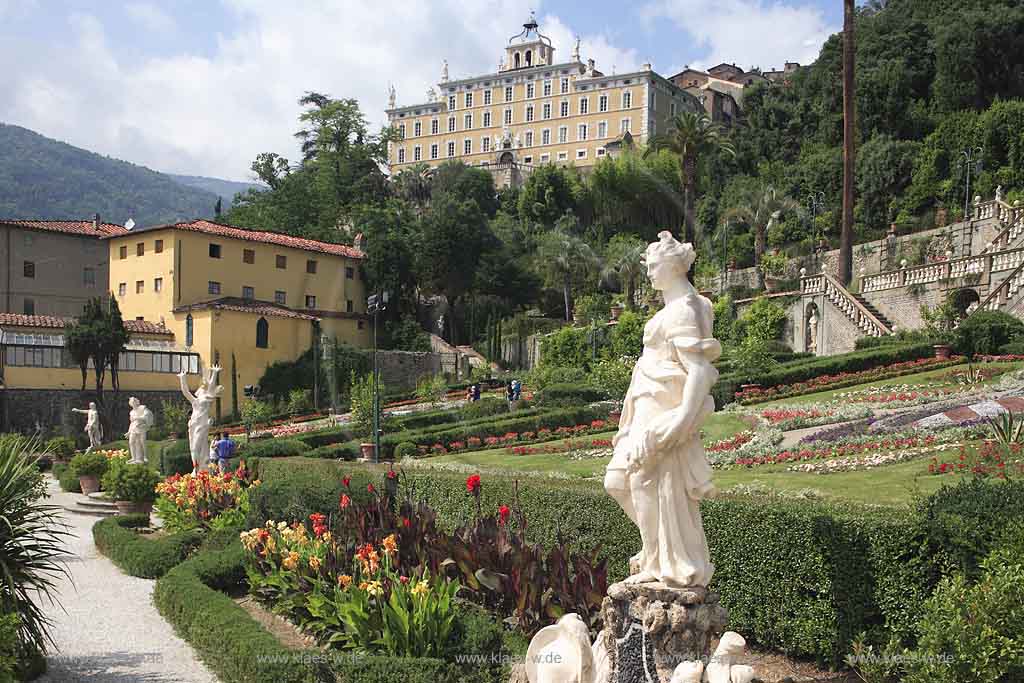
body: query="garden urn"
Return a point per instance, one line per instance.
(130, 507)
(369, 452)
(89, 483)
(942, 351)
(616, 311)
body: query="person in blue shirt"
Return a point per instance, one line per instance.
(225, 449)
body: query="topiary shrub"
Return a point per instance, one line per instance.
(274, 448)
(140, 555)
(131, 482)
(66, 478)
(570, 395)
(175, 458)
(985, 332)
(61, 446)
(406, 449)
(485, 407)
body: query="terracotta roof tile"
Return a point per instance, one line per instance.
(277, 238)
(69, 227)
(232, 303)
(58, 322)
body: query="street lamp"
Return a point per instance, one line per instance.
(971, 161)
(376, 303)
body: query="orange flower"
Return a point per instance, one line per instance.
(344, 580)
(390, 546)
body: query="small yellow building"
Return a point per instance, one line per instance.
(241, 299)
(534, 110)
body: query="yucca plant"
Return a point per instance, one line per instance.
(1007, 429)
(31, 543)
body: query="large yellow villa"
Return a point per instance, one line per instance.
(534, 110)
(241, 299)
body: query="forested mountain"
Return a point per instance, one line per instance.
(45, 178)
(226, 189)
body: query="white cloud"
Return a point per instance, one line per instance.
(748, 33)
(212, 113)
(151, 17)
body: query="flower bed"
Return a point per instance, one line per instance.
(204, 500)
(541, 435)
(787, 418)
(843, 379)
(902, 395)
(990, 459)
(744, 446)
(865, 462)
(563, 447)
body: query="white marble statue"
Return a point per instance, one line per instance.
(658, 472)
(391, 97)
(93, 428)
(688, 672)
(199, 423)
(140, 419)
(812, 324)
(561, 653)
(999, 193)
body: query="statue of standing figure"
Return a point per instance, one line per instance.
(199, 422)
(140, 419)
(658, 472)
(93, 428)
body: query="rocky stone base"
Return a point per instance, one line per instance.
(650, 628)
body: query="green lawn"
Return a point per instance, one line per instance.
(919, 378)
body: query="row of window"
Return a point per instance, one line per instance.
(582, 135)
(546, 112)
(28, 269)
(133, 361)
(546, 90)
(215, 251)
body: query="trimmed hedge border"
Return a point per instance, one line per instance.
(66, 478)
(136, 555)
(798, 576)
(190, 596)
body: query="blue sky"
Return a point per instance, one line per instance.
(202, 86)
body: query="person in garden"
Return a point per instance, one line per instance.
(225, 451)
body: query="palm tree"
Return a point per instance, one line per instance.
(759, 213)
(693, 136)
(624, 262)
(415, 185)
(564, 259)
(849, 152)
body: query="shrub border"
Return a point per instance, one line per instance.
(146, 558)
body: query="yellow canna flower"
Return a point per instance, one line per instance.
(420, 588)
(314, 563)
(344, 580)
(375, 588)
(390, 545)
(291, 561)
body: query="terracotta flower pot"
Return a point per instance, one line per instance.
(129, 507)
(89, 483)
(771, 283)
(616, 311)
(942, 351)
(368, 451)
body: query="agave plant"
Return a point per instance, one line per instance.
(1007, 429)
(31, 543)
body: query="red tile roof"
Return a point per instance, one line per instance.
(277, 238)
(85, 228)
(58, 322)
(233, 303)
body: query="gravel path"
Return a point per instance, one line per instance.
(108, 630)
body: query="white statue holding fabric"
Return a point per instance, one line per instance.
(658, 472)
(93, 427)
(140, 419)
(199, 422)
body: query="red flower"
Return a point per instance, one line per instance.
(392, 474)
(404, 579)
(345, 501)
(503, 513)
(473, 484)
(406, 523)
(369, 488)
(346, 481)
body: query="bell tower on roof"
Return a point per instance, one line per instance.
(529, 48)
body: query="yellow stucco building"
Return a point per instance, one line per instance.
(532, 111)
(240, 298)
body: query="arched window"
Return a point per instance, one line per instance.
(515, 60)
(189, 330)
(262, 333)
(529, 57)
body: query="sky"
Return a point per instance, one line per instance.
(200, 87)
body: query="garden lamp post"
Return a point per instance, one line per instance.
(375, 304)
(816, 205)
(971, 161)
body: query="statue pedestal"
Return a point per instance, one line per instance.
(650, 628)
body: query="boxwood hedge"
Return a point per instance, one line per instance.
(139, 555)
(803, 577)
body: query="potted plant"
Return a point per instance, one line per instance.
(61, 448)
(369, 451)
(89, 467)
(773, 268)
(617, 308)
(133, 487)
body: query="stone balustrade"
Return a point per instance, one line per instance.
(839, 297)
(981, 265)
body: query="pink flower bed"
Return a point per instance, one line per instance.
(561, 447)
(845, 450)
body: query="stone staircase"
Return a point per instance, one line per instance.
(872, 310)
(94, 504)
(867, 320)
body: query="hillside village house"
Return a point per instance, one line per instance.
(533, 110)
(53, 267)
(242, 299)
